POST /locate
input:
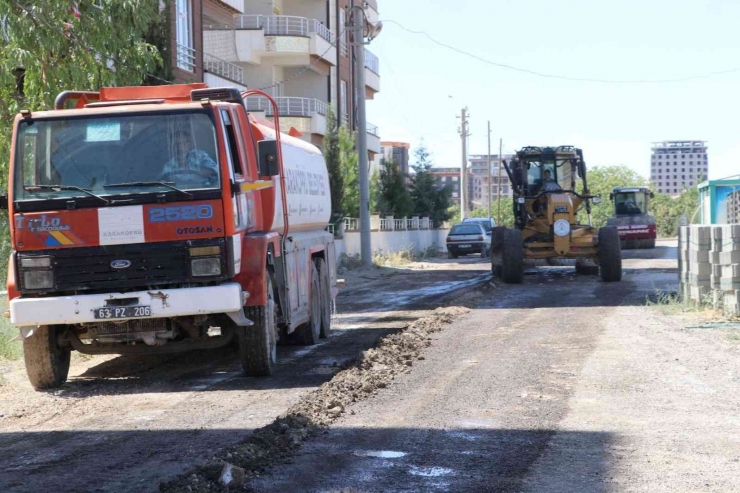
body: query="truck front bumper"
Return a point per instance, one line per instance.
(226, 298)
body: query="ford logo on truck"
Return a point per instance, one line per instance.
(120, 264)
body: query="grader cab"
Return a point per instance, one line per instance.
(546, 206)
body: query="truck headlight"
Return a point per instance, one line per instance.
(38, 279)
(203, 267)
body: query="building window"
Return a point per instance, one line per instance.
(184, 28)
(454, 178)
(343, 102)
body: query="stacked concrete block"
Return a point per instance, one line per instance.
(699, 266)
(729, 262)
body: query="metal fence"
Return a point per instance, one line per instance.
(287, 106)
(391, 224)
(285, 25)
(373, 130)
(223, 68)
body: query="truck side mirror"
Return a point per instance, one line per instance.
(3, 202)
(268, 158)
(652, 194)
(611, 196)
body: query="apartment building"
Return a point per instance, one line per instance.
(299, 52)
(677, 165)
(396, 151)
(451, 177)
(478, 166)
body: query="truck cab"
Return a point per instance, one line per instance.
(162, 219)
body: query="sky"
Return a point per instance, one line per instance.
(424, 86)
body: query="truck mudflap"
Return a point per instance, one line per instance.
(227, 298)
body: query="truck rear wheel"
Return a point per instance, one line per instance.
(257, 345)
(47, 364)
(610, 254)
(326, 300)
(308, 334)
(512, 268)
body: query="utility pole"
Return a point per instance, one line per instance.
(358, 46)
(489, 177)
(500, 145)
(464, 167)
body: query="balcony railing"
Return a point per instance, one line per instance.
(372, 62)
(223, 68)
(373, 130)
(185, 58)
(306, 107)
(285, 25)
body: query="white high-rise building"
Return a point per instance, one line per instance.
(678, 165)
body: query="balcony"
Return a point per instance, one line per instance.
(306, 115)
(373, 139)
(220, 73)
(285, 40)
(372, 75)
(237, 5)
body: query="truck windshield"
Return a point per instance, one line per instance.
(65, 158)
(629, 203)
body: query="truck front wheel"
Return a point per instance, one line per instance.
(47, 364)
(257, 345)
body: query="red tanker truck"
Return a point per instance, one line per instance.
(149, 220)
(635, 224)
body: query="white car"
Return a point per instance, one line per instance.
(468, 237)
(488, 223)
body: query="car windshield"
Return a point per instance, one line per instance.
(630, 203)
(91, 154)
(465, 229)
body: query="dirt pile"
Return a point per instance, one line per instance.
(374, 369)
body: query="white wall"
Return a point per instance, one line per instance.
(394, 241)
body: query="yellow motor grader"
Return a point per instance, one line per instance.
(546, 206)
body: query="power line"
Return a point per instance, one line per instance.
(555, 76)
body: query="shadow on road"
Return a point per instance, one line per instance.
(220, 370)
(420, 459)
(385, 459)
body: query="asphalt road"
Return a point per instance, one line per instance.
(123, 424)
(561, 384)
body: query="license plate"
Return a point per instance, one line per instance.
(123, 312)
(465, 246)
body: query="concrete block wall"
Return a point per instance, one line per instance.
(709, 265)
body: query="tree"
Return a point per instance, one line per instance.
(428, 199)
(332, 155)
(507, 212)
(54, 45)
(668, 211)
(395, 197)
(350, 167)
(376, 195)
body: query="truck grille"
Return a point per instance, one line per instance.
(151, 264)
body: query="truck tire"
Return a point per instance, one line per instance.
(257, 345)
(610, 254)
(326, 301)
(47, 364)
(649, 244)
(308, 334)
(512, 268)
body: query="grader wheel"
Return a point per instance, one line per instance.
(512, 268)
(610, 254)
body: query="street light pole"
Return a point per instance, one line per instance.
(358, 46)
